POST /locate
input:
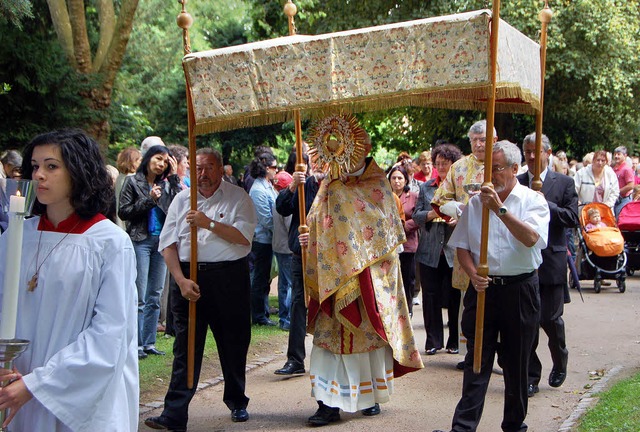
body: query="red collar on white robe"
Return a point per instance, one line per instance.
(73, 224)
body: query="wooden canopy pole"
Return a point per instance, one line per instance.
(545, 18)
(185, 20)
(483, 268)
(290, 10)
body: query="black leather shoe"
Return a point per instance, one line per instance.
(460, 365)
(556, 378)
(431, 351)
(239, 415)
(290, 368)
(267, 323)
(153, 351)
(371, 411)
(532, 389)
(142, 355)
(324, 415)
(163, 423)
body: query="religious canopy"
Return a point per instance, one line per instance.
(440, 62)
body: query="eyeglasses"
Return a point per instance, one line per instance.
(273, 167)
(206, 168)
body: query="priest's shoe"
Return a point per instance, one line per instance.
(153, 351)
(532, 389)
(239, 415)
(163, 423)
(324, 415)
(290, 368)
(371, 411)
(556, 378)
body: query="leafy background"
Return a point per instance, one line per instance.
(592, 80)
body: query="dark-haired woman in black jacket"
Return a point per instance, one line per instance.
(144, 201)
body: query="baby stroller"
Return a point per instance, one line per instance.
(601, 252)
(629, 224)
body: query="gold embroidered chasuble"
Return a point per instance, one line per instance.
(464, 171)
(357, 302)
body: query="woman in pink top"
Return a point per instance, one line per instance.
(400, 185)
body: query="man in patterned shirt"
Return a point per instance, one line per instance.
(451, 198)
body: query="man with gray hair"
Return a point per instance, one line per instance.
(518, 226)
(228, 175)
(451, 197)
(626, 178)
(225, 222)
(560, 192)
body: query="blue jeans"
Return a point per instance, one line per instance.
(262, 256)
(284, 288)
(150, 282)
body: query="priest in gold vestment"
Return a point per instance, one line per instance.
(358, 312)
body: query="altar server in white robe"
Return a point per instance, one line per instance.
(77, 298)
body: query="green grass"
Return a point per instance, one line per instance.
(618, 409)
(155, 371)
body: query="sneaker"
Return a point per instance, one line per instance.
(324, 415)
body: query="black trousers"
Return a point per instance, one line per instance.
(297, 314)
(436, 287)
(408, 270)
(551, 310)
(224, 308)
(511, 312)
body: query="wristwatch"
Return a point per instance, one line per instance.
(212, 225)
(502, 211)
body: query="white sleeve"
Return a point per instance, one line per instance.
(459, 237)
(537, 217)
(245, 217)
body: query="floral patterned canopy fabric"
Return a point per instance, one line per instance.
(440, 62)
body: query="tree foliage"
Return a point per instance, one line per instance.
(44, 91)
(593, 70)
(15, 11)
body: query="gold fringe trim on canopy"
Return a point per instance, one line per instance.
(440, 62)
(509, 99)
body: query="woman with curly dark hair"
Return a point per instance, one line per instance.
(144, 202)
(76, 304)
(436, 259)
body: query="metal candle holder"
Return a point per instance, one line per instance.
(10, 349)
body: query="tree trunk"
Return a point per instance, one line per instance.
(99, 99)
(69, 21)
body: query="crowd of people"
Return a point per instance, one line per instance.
(359, 284)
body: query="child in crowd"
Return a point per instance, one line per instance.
(595, 221)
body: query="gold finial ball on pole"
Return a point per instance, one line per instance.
(184, 19)
(545, 14)
(290, 9)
